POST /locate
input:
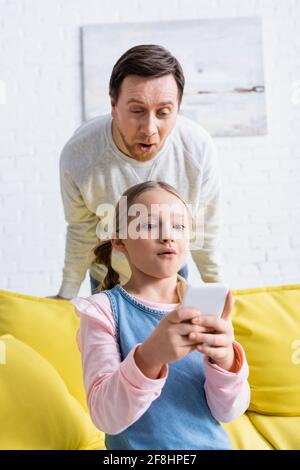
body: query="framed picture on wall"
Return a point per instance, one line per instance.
(222, 60)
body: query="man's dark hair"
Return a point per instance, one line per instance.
(146, 60)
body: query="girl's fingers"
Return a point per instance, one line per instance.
(214, 324)
(214, 340)
(214, 353)
(182, 314)
(228, 306)
(184, 329)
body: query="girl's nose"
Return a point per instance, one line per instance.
(167, 237)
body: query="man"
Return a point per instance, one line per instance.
(143, 139)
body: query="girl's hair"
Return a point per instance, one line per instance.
(146, 60)
(103, 251)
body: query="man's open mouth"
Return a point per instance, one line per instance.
(146, 147)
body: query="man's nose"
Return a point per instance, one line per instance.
(149, 125)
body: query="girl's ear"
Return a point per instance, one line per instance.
(118, 245)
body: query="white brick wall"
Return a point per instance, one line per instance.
(39, 69)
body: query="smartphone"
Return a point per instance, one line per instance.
(208, 298)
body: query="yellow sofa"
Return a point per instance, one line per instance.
(42, 399)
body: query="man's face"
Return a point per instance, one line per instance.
(145, 113)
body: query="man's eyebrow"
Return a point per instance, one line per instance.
(162, 103)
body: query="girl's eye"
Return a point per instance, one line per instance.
(148, 226)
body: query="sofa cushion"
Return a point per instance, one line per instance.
(282, 432)
(266, 322)
(36, 408)
(244, 435)
(49, 326)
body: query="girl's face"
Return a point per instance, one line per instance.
(158, 238)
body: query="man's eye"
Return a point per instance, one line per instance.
(179, 226)
(163, 113)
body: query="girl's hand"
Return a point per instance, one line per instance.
(217, 344)
(169, 342)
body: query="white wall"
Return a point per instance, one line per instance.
(39, 65)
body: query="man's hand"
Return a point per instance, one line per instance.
(56, 297)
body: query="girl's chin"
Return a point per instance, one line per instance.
(161, 274)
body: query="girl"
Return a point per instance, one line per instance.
(155, 375)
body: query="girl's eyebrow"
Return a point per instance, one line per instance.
(172, 213)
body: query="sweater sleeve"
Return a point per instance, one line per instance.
(81, 236)
(207, 251)
(228, 393)
(117, 391)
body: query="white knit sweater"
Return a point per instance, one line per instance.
(94, 171)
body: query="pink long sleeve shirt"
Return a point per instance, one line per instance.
(118, 393)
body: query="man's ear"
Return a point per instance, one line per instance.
(118, 245)
(113, 107)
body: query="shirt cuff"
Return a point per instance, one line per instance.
(135, 376)
(240, 370)
(68, 290)
(239, 357)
